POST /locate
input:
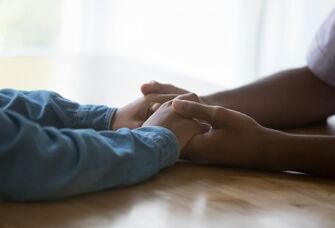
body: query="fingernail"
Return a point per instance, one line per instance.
(155, 106)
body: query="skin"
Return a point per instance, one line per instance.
(136, 113)
(239, 141)
(184, 128)
(148, 111)
(286, 99)
(241, 118)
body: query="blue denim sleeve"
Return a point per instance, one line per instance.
(42, 163)
(50, 109)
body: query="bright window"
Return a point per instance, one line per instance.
(228, 42)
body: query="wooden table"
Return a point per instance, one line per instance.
(184, 195)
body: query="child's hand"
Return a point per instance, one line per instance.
(134, 114)
(183, 128)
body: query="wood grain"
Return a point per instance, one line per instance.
(190, 196)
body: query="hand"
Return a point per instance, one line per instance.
(183, 128)
(134, 114)
(156, 87)
(235, 139)
(160, 88)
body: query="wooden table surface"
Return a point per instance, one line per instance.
(184, 195)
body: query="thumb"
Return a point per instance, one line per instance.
(215, 115)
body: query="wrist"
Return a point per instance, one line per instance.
(273, 150)
(219, 99)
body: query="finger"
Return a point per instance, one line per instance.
(189, 97)
(156, 101)
(156, 87)
(215, 115)
(153, 108)
(195, 98)
(148, 88)
(192, 109)
(161, 98)
(204, 127)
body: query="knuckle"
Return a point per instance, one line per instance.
(189, 96)
(216, 113)
(193, 95)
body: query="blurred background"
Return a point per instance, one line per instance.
(225, 43)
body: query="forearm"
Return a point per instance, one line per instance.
(38, 163)
(304, 153)
(50, 109)
(289, 98)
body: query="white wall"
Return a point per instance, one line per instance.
(227, 42)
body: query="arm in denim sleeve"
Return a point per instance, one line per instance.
(39, 163)
(50, 109)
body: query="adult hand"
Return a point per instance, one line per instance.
(156, 87)
(161, 88)
(235, 139)
(183, 128)
(134, 114)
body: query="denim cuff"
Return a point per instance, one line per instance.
(97, 117)
(165, 142)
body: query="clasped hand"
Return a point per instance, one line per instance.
(233, 139)
(157, 110)
(206, 134)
